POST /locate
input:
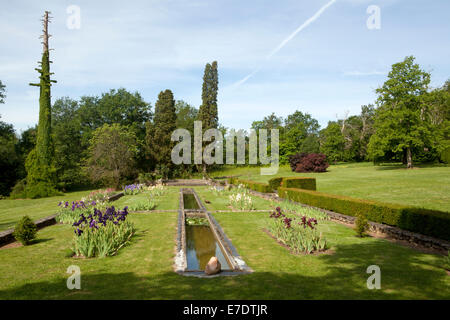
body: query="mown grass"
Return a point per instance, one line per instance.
(143, 269)
(168, 201)
(220, 201)
(425, 186)
(12, 210)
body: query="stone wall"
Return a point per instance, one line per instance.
(7, 237)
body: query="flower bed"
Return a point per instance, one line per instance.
(70, 212)
(133, 189)
(427, 222)
(101, 195)
(102, 234)
(156, 190)
(300, 235)
(240, 199)
(143, 205)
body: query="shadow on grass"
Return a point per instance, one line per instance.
(410, 276)
(36, 241)
(399, 166)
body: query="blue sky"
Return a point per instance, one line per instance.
(329, 68)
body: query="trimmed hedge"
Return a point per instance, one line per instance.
(256, 186)
(300, 183)
(424, 221)
(274, 183)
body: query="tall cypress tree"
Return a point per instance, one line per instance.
(40, 171)
(159, 133)
(207, 112)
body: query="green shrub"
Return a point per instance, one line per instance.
(18, 191)
(445, 155)
(274, 183)
(41, 190)
(361, 225)
(428, 222)
(299, 182)
(25, 230)
(146, 178)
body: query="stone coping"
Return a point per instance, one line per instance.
(233, 258)
(7, 236)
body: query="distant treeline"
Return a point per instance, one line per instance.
(408, 122)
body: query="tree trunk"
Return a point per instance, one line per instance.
(204, 170)
(409, 157)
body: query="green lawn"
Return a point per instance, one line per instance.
(144, 268)
(12, 210)
(424, 186)
(221, 201)
(168, 201)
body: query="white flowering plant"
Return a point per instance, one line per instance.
(156, 190)
(241, 201)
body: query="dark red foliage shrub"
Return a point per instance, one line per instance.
(296, 158)
(312, 162)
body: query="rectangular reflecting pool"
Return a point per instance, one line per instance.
(201, 245)
(199, 238)
(190, 203)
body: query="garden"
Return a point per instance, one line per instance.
(125, 250)
(104, 196)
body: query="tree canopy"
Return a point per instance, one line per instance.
(401, 124)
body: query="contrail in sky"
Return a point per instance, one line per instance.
(289, 38)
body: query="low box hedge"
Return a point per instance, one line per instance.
(299, 182)
(256, 186)
(424, 221)
(274, 183)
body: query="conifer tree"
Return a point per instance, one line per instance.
(207, 112)
(40, 171)
(159, 133)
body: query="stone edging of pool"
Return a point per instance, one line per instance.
(239, 267)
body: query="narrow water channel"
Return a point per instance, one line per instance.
(190, 203)
(201, 245)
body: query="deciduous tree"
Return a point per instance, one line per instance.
(112, 155)
(401, 123)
